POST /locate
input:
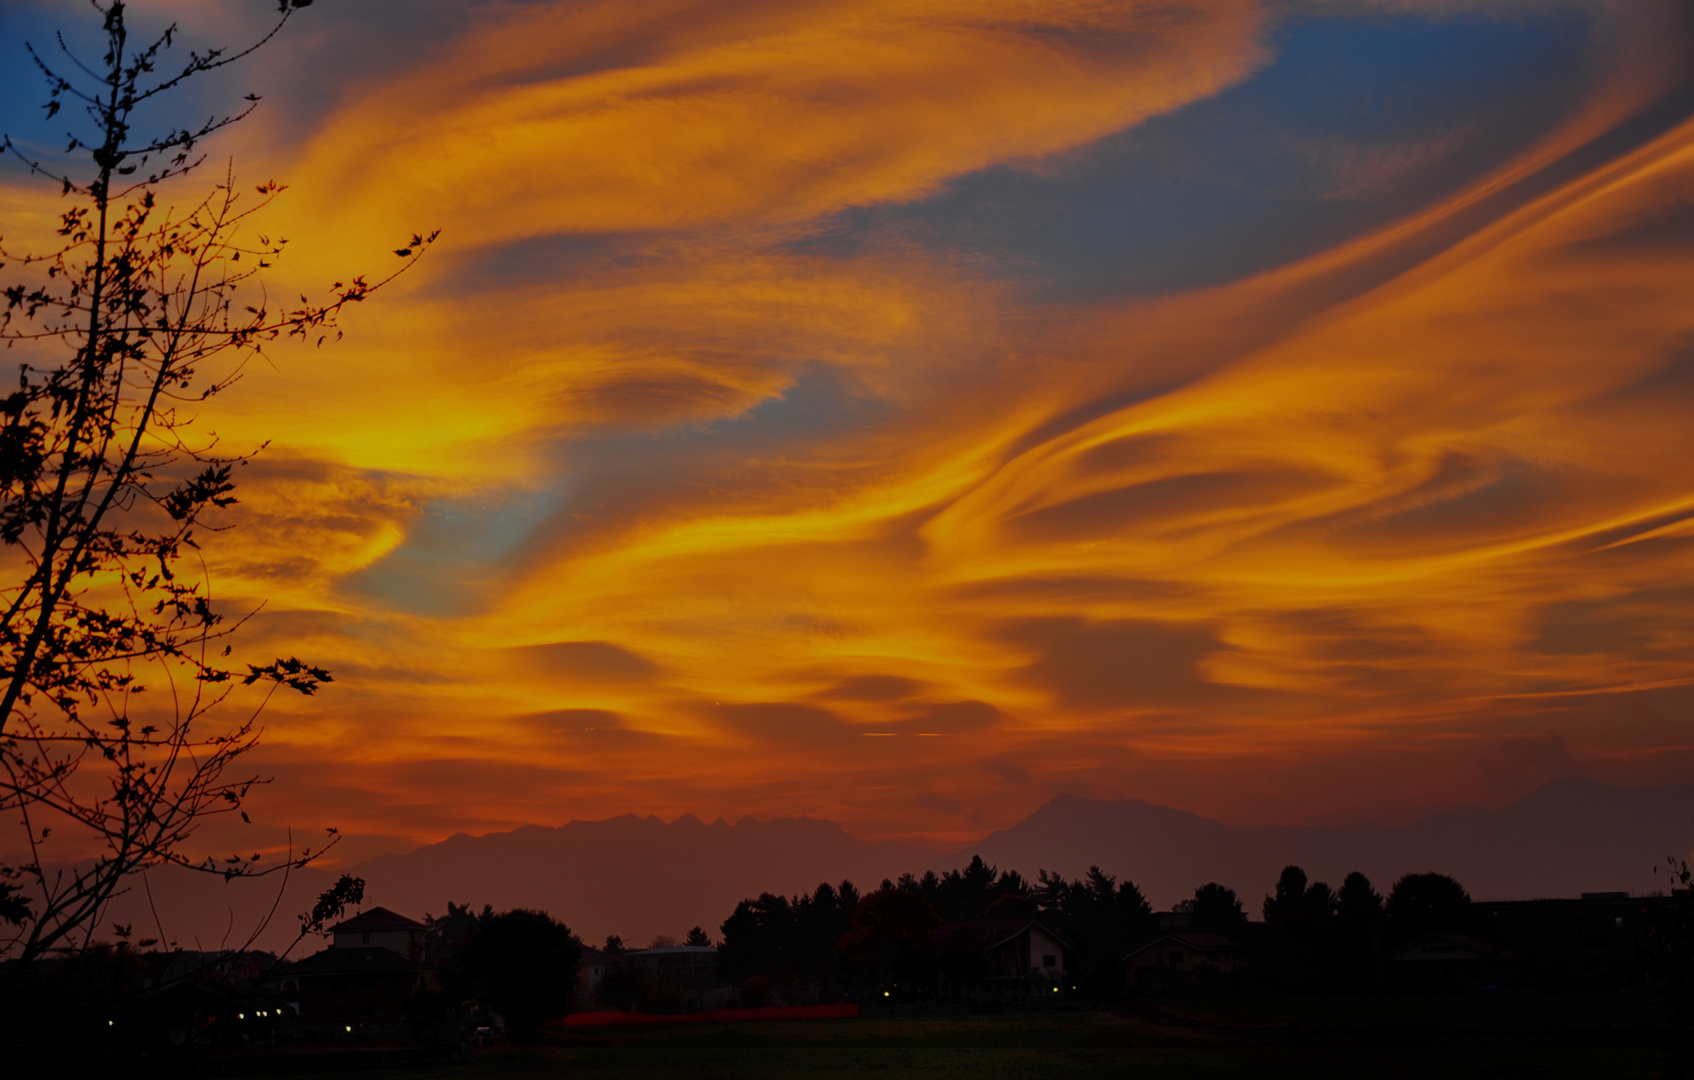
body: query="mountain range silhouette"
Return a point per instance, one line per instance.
(639, 877)
(1568, 837)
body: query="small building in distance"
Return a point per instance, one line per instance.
(687, 974)
(591, 969)
(1185, 955)
(1001, 959)
(1601, 940)
(1450, 961)
(373, 965)
(339, 989)
(381, 929)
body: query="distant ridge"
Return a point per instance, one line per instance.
(635, 876)
(1565, 838)
(638, 877)
(627, 875)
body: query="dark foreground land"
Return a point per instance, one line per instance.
(1514, 1036)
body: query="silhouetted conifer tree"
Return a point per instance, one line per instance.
(774, 945)
(1216, 910)
(966, 895)
(1102, 919)
(891, 941)
(1359, 922)
(1299, 929)
(1422, 904)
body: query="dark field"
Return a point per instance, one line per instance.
(1451, 1038)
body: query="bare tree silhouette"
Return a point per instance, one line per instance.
(110, 645)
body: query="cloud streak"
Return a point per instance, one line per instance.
(716, 463)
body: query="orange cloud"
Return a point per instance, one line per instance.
(651, 493)
(665, 113)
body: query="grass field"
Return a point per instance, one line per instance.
(1516, 1037)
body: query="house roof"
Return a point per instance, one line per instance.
(367, 960)
(377, 918)
(1203, 940)
(1198, 941)
(990, 933)
(1446, 946)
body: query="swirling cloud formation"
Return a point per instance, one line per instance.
(901, 412)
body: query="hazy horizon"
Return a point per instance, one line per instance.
(969, 846)
(1567, 838)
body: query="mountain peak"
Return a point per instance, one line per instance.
(1569, 836)
(638, 877)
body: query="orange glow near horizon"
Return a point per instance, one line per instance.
(693, 471)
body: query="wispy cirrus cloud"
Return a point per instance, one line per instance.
(900, 413)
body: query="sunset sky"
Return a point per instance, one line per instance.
(903, 411)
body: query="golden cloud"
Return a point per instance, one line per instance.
(544, 512)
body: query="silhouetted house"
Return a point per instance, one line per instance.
(193, 1013)
(338, 989)
(591, 968)
(1179, 956)
(683, 975)
(1450, 961)
(1601, 940)
(138, 999)
(1172, 922)
(1001, 959)
(373, 965)
(381, 929)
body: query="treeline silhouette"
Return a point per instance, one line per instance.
(929, 941)
(834, 944)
